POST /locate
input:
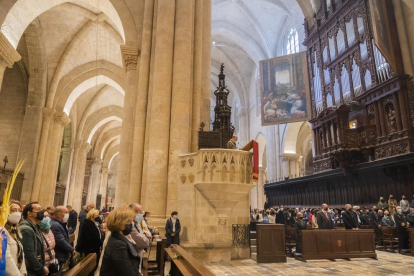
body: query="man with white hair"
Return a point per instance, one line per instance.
(348, 218)
(231, 144)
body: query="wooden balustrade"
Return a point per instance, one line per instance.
(84, 267)
(182, 263)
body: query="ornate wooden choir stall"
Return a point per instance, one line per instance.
(362, 109)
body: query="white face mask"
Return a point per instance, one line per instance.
(14, 218)
(175, 216)
(66, 217)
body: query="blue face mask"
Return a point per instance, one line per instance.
(138, 218)
(45, 224)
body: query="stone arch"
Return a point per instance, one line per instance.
(98, 119)
(291, 137)
(102, 144)
(85, 77)
(16, 15)
(109, 154)
(261, 139)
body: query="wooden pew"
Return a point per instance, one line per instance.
(84, 267)
(290, 239)
(156, 267)
(338, 244)
(270, 242)
(390, 237)
(182, 263)
(411, 236)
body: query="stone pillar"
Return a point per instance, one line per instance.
(141, 102)
(180, 127)
(285, 167)
(80, 176)
(65, 202)
(8, 56)
(403, 37)
(206, 73)
(157, 163)
(74, 171)
(130, 60)
(260, 190)
(103, 185)
(51, 162)
(95, 180)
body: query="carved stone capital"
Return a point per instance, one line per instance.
(105, 171)
(97, 161)
(61, 118)
(8, 54)
(130, 57)
(289, 157)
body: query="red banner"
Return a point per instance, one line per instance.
(255, 161)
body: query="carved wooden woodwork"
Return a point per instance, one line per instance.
(350, 80)
(222, 119)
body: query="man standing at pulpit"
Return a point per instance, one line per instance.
(231, 144)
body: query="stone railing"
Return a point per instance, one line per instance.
(216, 165)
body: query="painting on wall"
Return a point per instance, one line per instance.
(284, 90)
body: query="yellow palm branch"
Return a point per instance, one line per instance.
(5, 210)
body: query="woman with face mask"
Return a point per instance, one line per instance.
(49, 244)
(15, 264)
(121, 255)
(90, 239)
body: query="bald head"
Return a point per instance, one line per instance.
(90, 206)
(325, 207)
(138, 208)
(60, 213)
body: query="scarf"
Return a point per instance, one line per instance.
(16, 235)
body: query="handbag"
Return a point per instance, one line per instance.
(54, 266)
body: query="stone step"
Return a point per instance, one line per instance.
(253, 249)
(253, 256)
(253, 242)
(252, 234)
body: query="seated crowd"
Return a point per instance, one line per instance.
(39, 239)
(386, 213)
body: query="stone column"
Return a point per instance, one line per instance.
(180, 127)
(206, 73)
(80, 176)
(95, 180)
(51, 162)
(260, 191)
(130, 60)
(157, 163)
(8, 56)
(65, 202)
(141, 102)
(103, 185)
(74, 170)
(285, 167)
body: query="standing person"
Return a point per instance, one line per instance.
(402, 225)
(63, 248)
(83, 213)
(324, 219)
(375, 224)
(387, 220)
(121, 255)
(49, 247)
(300, 225)
(405, 205)
(137, 234)
(90, 239)
(15, 264)
(355, 215)
(280, 216)
(103, 210)
(380, 215)
(73, 219)
(173, 229)
(315, 219)
(154, 230)
(32, 241)
(382, 204)
(392, 203)
(348, 218)
(272, 216)
(231, 144)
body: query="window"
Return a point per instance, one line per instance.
(292, 42)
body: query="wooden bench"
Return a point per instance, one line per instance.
(156, 267)
(290, 240)
(389, 236)
(84, 267)
(182, 263)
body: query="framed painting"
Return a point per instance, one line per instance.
(284, 91)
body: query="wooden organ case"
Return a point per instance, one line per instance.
(360, 103)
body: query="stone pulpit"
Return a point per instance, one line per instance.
(213, 194)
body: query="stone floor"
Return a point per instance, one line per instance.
(387, 264)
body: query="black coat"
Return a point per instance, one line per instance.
(169, 231)
(324, 222)
(63, 247)
(33, 247)
(281, 217)
(120, 257)
(348, 219)
(400, 222)
(73, 219)
(89, 240)
(374, 220)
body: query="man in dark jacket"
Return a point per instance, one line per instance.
(280, 216)
(83, 213)
(173, 229)
(324, 219)
(63, 248)
(348, 218)
(375, 224)
(402, 225)
(73, 219)
(32, 241)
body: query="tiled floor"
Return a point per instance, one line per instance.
(387, 264)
